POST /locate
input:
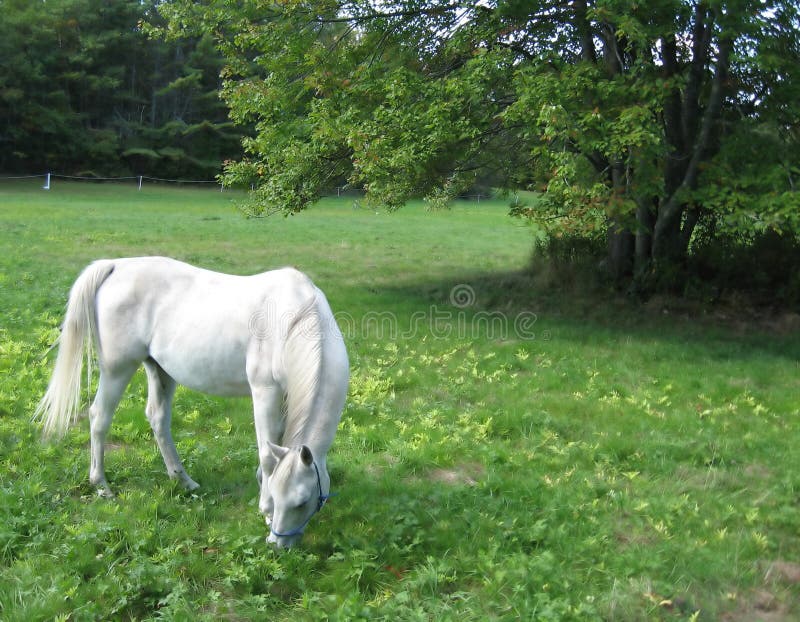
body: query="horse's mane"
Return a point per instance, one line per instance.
(303, 361)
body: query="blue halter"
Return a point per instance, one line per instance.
(320, 503)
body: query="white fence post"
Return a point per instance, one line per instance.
(140, 182)
(47, 183)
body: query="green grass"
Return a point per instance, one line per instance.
(540, 453)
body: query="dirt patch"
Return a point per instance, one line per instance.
(385, 462)
(757, 472)
(773, 601)
(760, 606)
(627, 536)
(782, 571)
(459, 475)
(785, 323)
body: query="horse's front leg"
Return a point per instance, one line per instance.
(269, 427)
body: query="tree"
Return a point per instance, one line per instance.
(83, 89)
(179, 126)
(627, 117)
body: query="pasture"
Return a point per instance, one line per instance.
(507, 451)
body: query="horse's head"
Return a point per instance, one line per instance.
(299, 489)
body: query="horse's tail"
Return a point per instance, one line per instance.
(59, 407)
(302, 358)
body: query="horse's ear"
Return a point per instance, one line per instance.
(276, 450)
(306, 456)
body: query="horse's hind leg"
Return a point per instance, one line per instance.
(109, 391)
(160, 391)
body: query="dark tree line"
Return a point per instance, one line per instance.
(84, 89)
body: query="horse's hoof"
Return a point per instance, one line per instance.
(185, 481)
(105, 492)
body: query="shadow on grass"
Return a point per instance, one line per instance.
(577, 307)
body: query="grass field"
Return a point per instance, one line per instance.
(509, 450)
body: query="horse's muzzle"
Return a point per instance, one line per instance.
(283, 542)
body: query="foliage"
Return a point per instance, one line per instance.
(84, 90)
(599, 466)
(634, 119)
(760, 268)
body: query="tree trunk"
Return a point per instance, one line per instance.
(621, 241)
(620, 251)
(645, 220)
(691, 145)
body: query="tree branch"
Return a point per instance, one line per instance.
(673, 207)
(701, 41)
(583, 25)
(348, 19)
(672, 107)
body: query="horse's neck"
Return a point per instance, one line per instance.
(317, 434)
(316, 425)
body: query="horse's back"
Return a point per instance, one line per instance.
(157, 285)
(202, 327)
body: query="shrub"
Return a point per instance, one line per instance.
(762, 266)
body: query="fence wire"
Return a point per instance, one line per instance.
(140, 179)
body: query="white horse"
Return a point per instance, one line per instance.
(271, 336)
